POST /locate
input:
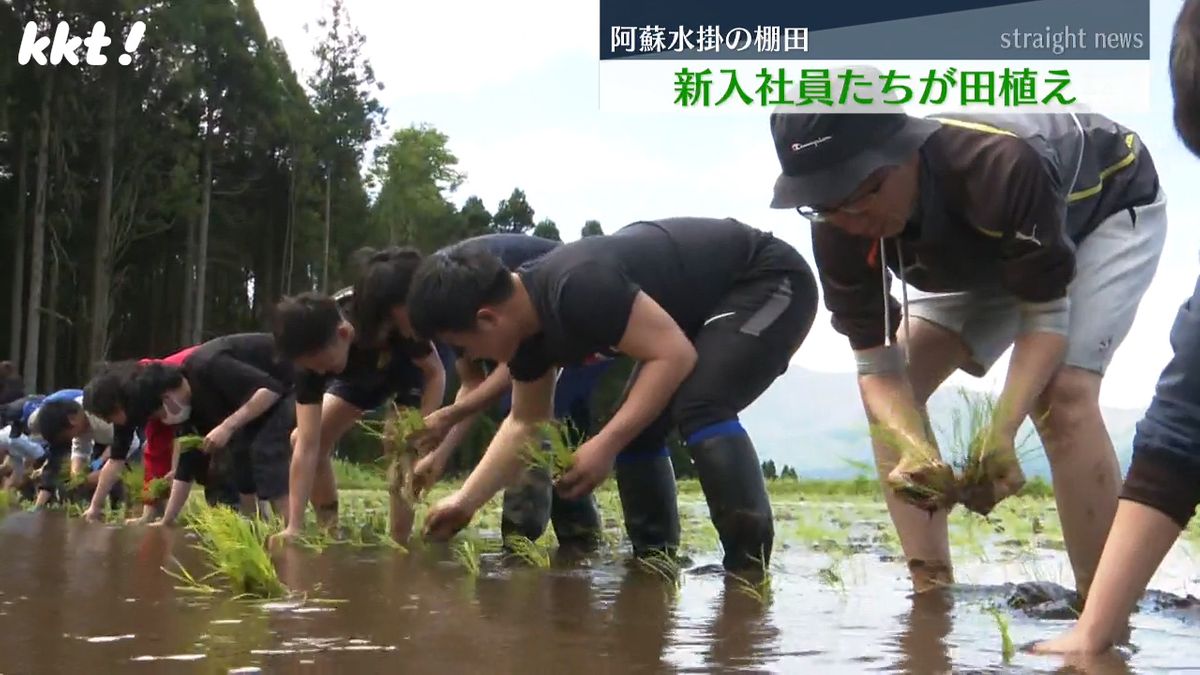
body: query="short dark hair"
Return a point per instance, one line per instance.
(383, 282)
(305, 323)
(1185, 74)
(108, 390)
(151, 382)
(54, 419)
(452, 285)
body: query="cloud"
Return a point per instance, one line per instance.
(449, 46)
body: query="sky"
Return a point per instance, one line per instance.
(515, 86)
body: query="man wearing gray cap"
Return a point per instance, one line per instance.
(1040, 231)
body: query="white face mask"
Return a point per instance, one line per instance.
(175, 412)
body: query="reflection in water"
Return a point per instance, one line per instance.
(75, 596)
(921, 641)
(742, 633)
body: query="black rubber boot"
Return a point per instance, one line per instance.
(527, 506)
(732, 480)
(647, 489)
(577, 523)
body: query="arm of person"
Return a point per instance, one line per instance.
(1037, 266)
(479, 392)
(853, 285)
(501, 464)
(241, 381)
(433, 375)
(304, 464)
(259, 403)
(665, 356)
(111, 472)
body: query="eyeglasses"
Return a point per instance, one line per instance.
(854, 205)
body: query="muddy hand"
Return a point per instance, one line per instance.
(929, 485)
(1001, 477)
(446, 518)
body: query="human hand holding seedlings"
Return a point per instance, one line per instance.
(428, 470)
(921, 478)
(593, 462)
(436, 425)
(992, 472)
(448, 516)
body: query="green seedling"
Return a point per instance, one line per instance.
(756, 586)
(550, 450)
(190, 442)
(1006, 643)
(989, 470)
(156, 490)
(188, 583)
(467, 553)
(920, 477)
(529, 551)
(662, 565)
(235, 549)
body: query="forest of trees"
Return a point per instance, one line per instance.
(155, 205)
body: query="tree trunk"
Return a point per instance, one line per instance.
(37, 263)
(21, 223)
(189, 282)
(102, 271)
(52, 319)
(325, 266)
(289, 240)
(202, 242)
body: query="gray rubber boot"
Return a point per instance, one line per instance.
(648, 500)
(526, 509)
(577, 522)
(733, 485)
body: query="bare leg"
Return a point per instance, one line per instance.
(1141, 538)
(1087, 478)
(934, 354)
(175, 503)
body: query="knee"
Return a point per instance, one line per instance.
(1070, 400)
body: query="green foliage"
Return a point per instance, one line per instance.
(235, 550)
(190, 442)
(547, 229)
(513, 215)
(532, 553)
(1007, 649)
(591, 229)
(551, 449)
(768, 470)
(156, 490)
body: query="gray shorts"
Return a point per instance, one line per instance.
(1114, 266)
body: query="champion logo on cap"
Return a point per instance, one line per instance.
(797, 147)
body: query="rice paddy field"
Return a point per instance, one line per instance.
(211, 597)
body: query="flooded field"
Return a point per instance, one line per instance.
(95, 598)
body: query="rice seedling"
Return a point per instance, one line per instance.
(467, 554)
(235, 549)
(156, 490)
(665, 567)
(756, 586)
(189, 583)
(189, 442)
(920, 476)
(532, 553)
(550, 450)
(988, 469)
(1006, 644)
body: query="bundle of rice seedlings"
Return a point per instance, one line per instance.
(190, 442)
(756, 586)
(989, 470)
(529, 551)
(156, 490)
(920, 477)
(235, 548)
(550, 450)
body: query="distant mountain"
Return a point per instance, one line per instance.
(814, 422)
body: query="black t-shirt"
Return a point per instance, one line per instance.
(224, 373)
(584, 291)
(362, 363)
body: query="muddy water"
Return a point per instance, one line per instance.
(89, 598)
